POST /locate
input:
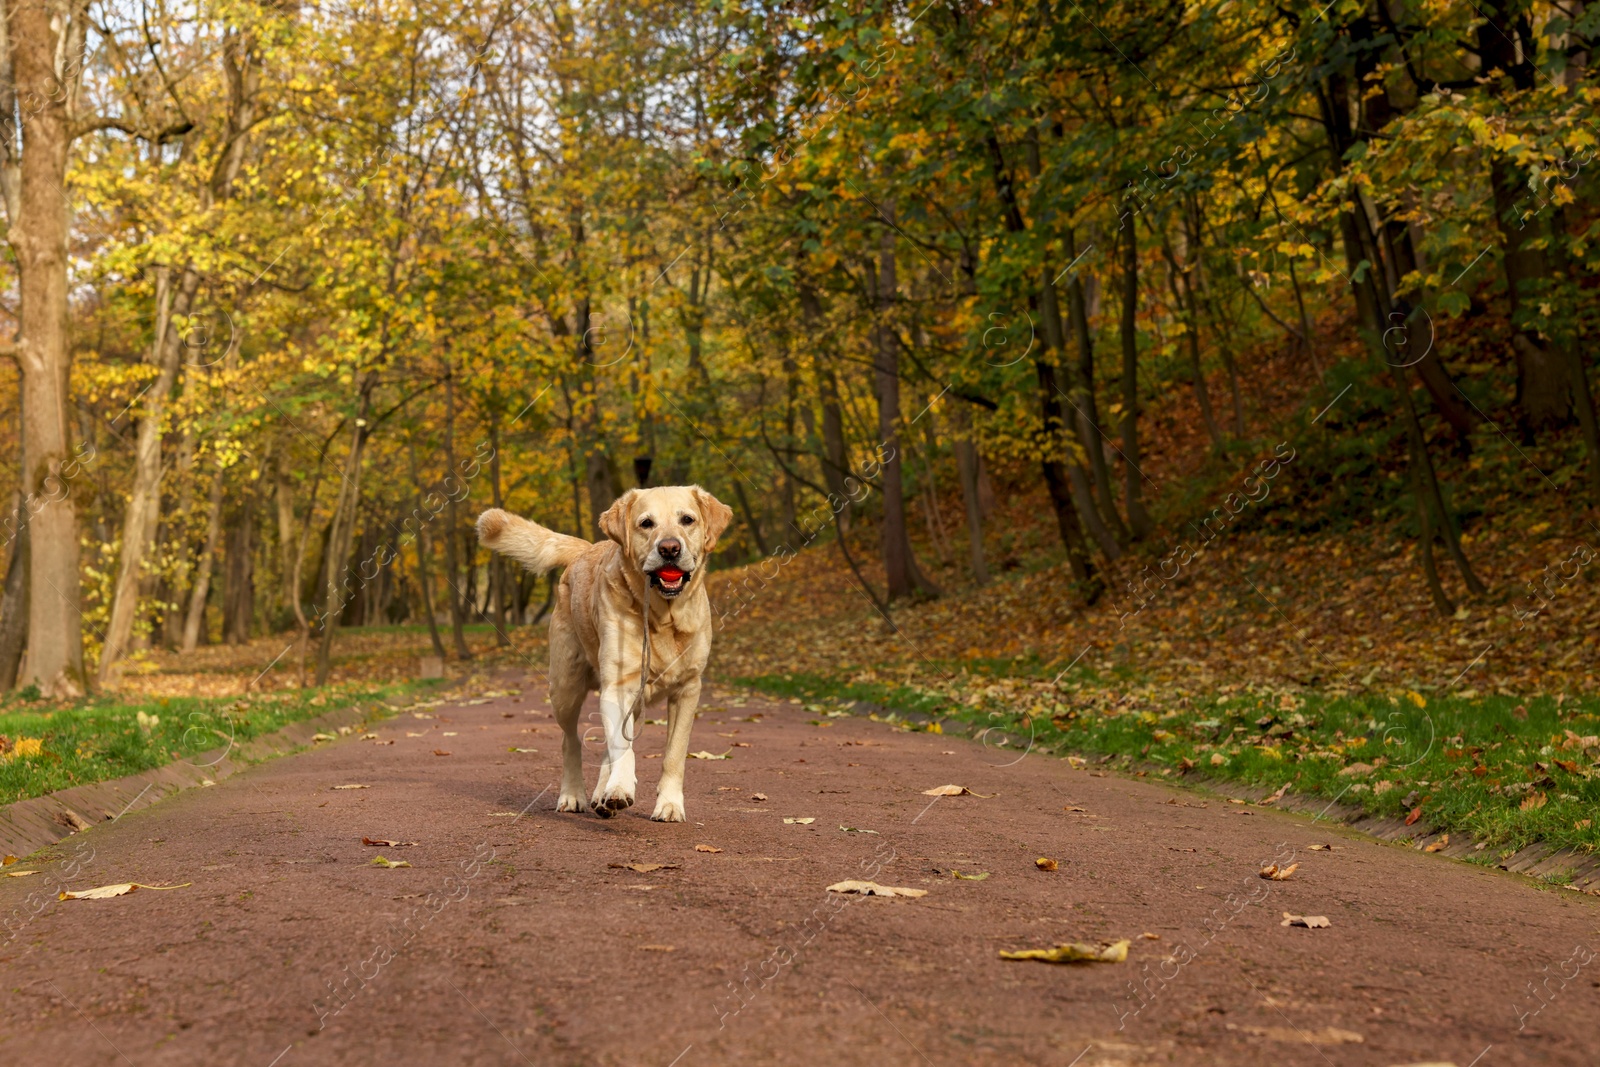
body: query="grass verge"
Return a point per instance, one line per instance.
(45, 748)
(1508, 771)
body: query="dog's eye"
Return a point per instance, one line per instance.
(647, 524)
(687, 520)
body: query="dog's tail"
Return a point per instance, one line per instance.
(528, 543)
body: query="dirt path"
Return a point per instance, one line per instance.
(513, 940)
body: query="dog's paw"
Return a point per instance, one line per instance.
(615, 797)
(570, 802)
(668, 810)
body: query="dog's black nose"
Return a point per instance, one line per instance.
(669, 548)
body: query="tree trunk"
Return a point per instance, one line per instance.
(345, 514)
(1133, 477)
(194, 621)
(901, 573)
(14, 610)
(1184, 302)
(286, 542)
(1086, 409)
(967, 471)
(499, 569)
(1082, 494)
(145, 501)
(43, 36)
(458, 607)
(238, 590)
(424, 554)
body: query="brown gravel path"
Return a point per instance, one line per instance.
(512, 940)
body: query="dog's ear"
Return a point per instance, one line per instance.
(714, 513)
(614, 523)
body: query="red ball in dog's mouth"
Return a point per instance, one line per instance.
(669, 580)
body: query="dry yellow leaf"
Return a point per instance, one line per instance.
(707, 848)
(1312, 922)
(955, 791)
(380, 861)
(105, 891)
(873, 889)
(1045, 863)
(1076, 952)
(19, 874)
(1279, 874)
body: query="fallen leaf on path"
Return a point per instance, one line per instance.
(1231, 800)
(707, 848)
(659, 948)
(801, 822)
(1416, 813)
(646, 868)
(873, 889)
(412, 733)
(709, 755)
(450, 733)
(351, 787)
(980, 876)
(1175, 848)
(955, 791)
(381, 843)
(853, 830)
(324, 737)
(1151, 937)
(1279, 874)
(369, 737)
(1076, 952)
(440, 752)
(1077, 809)
(1045, 863)
(1443, 841)
(504, 814)
(380, 861)
(105, 891)
(514, 748)
(758, 796)
(19, 874)
(8, 860)
(1319, 848)
(1311, 922)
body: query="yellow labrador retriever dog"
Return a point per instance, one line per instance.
(652, 567)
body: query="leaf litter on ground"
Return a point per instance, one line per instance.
(382, 861)
(955, 791)
(1311, 922)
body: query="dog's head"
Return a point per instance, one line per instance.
(668, 532)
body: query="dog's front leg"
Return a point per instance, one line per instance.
(681, 706)
(616, 787)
